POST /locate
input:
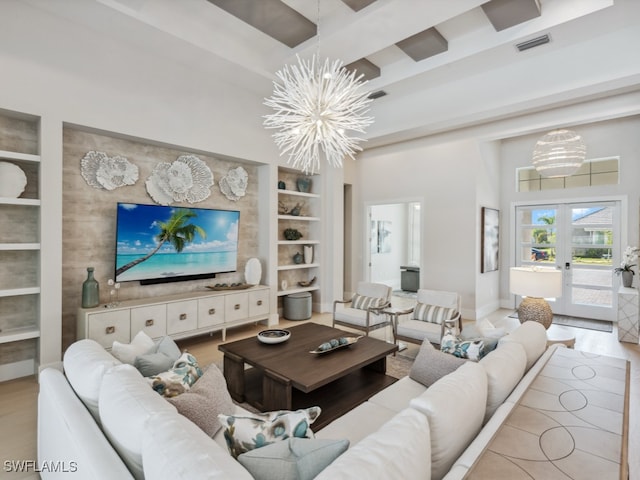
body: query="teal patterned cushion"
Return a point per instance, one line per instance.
(179, 378)
(362, 302)
(433, 313)
(254, 430)
(471, 349)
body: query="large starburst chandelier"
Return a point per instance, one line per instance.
(316, 106)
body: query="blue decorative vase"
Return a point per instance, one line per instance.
(90, 291)
(304, 184)
(297, 258)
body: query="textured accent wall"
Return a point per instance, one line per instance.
(89, 218)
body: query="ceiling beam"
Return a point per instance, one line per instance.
(507, 13)
(423, 45)
(276, 19)
(357, 5)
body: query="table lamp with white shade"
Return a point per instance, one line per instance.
(535, 284)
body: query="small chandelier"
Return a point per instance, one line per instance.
(315, 106)
(559, 153)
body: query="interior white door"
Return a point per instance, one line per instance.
(581, 239)
(394, 240)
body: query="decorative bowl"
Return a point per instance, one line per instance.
(274, 336)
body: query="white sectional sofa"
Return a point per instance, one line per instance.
(103, 416)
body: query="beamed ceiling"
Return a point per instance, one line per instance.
(434, 65)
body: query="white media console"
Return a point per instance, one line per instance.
(178, 316)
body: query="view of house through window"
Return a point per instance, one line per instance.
(602, 171)
(581, 239)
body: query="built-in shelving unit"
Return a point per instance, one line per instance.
(308, 223)
(20, 251)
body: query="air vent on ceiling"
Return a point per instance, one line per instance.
(378, 94)
(534, 42)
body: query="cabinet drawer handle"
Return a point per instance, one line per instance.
(259, 302)
(183, 316)
(212, 311)
(110, 330)
(149, 323)
(236, 306)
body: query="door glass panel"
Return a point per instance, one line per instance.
(594, 278)
(581, 240)
(537, 235)
(590, 297)
(591, 255)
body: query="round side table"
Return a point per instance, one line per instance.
(558, 334)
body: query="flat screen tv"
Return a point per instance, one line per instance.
(158, 244)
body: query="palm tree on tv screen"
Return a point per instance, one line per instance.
(175, 231)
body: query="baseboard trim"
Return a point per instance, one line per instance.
(23, 368)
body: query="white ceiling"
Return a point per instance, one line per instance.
(595, 51)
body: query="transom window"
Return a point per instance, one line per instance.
(602, 171)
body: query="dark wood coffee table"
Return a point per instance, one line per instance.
(285, 376)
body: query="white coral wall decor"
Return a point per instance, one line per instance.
(234, 184)
(186, 179)
(108, 173)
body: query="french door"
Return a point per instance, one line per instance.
(581, 240)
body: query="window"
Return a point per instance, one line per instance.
(602, 171)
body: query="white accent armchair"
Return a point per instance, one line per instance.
(364, 310)
(434, 312)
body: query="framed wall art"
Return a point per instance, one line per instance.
(490, 239)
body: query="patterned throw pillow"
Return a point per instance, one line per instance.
(471, 349)
(362, 302)
(255, 430)
(179, 378)
(433, 313)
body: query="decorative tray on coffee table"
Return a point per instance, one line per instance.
(335, 344)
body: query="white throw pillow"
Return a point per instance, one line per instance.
(175, 448)
(505, 368)
(127, 352)
(488, 330)
(126, 401)
(455, 407)
(532, 336)
(85, 363)
(398, 450)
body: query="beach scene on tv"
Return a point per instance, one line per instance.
(155, 241)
